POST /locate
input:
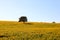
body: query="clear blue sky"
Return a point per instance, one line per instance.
(35, 10)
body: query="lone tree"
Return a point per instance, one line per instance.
(53, 22)
(23, 19)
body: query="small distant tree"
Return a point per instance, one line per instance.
(23, 19)
(53, 22)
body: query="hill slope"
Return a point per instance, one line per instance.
(29, 31)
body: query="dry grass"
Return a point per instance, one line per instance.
(29, 31)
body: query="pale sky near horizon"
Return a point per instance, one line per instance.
(35, 10)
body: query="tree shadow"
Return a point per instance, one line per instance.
(28, 23)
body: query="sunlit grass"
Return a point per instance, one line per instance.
(29, 31)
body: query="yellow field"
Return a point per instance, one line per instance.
(29, 31)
